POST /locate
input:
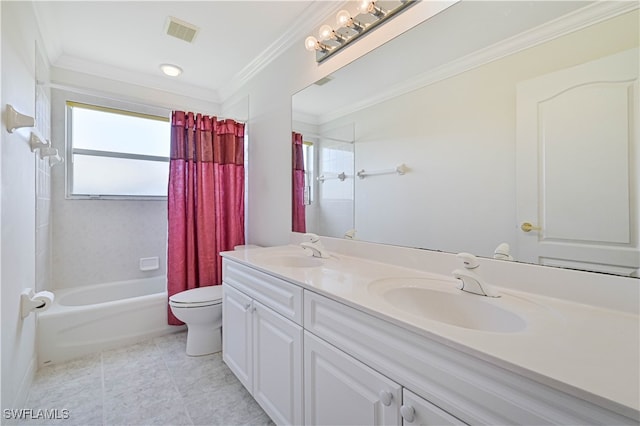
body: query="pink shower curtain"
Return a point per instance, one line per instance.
(205, 200)
(298, 207)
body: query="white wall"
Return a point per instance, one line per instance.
(18, 220)
(269, 93)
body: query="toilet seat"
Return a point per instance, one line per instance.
(197, 297)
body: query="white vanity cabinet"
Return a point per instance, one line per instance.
(418, 411)
(339, 390)
(237, 335)
(458, 384)
(261, 341)
(360, 368)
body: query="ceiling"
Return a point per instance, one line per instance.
(126, 40)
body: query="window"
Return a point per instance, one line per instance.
(307, 155)
(115, 153)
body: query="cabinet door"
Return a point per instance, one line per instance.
(277, 365)
(339, 390)
(418, 411)
(237, 334)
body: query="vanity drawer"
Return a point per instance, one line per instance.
(469, 388)
(281, 296)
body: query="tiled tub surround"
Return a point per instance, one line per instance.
(151, 382)
(582, 342)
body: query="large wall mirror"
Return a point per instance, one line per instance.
(504, 129)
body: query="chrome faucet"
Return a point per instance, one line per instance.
(470, 281)
(313, 243)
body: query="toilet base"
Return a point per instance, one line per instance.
(203, 340)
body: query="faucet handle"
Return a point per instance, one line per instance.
(469, 260)
(310, 237)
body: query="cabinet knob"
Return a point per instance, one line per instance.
(408, 413)
(247, 306)
(385, 397)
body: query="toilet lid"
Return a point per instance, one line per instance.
(211, 293)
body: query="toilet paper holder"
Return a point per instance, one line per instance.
(31, 301)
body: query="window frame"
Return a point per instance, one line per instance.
(310, 180)
(70, 151)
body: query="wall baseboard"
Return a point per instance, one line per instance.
(25, 385)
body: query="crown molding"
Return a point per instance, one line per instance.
(312, 17)
(573, 21)
(155, 82)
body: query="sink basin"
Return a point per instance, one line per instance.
(440, 300)
(293, 261)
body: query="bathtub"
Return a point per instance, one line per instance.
(83, 320)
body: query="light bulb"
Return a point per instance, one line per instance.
(365, 6)
(311, 43)
(368, 6)
(343, 17)
(325, 32)
(345, 20)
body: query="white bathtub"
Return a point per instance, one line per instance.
(88, 319)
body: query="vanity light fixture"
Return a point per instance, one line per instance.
(368, 16)
(329, 36)
(311, 43)
(344, 19)
(171, 70)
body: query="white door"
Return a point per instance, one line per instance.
(277, 366)
(577, 165)
(237, 337)
(340, 390)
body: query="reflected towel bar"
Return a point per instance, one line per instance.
(340, 176)
(399, 170)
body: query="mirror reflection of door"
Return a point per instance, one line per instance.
(577, 166)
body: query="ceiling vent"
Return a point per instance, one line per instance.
(181, 29)
(323, 80)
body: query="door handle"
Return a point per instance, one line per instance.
(528, 227)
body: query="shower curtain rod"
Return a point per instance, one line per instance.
(315, 135)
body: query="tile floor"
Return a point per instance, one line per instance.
(150, 383)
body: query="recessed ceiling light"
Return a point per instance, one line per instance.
(171, 70)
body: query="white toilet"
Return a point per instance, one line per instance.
(201, 309)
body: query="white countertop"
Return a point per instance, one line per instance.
(589, 352)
